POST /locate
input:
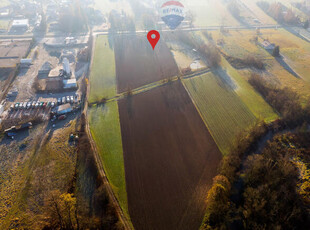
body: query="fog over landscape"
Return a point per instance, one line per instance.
(154, 114)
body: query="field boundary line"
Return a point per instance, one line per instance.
(200, 114)
(154, 85)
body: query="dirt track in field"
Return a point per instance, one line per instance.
(137, 64)
(170, 159)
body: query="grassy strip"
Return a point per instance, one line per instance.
(106, 131)
(249, 96)
(102, 76)
(221, 108)
(104, 121)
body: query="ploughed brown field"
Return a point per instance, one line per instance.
(137, 64)
(170, 157)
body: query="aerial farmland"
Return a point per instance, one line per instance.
(163, 131)
(147, 115)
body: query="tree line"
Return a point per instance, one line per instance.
(271, 189)
(279, 12)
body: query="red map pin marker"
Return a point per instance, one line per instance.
(153, 36)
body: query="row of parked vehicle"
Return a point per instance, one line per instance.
(38, 104)
(67, 99)
(32, 105)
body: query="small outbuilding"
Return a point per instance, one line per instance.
(267, 45)
(25, 63)
(64, 109)
(70, 83)
(20, 24)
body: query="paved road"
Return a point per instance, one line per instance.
(207, 28)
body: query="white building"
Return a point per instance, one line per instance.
(24, 63)
(20, 24)
(67, 68)
(267, 45)
(70, 84)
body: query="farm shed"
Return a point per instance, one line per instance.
(70, 84)
(63, 109)
(267, 45)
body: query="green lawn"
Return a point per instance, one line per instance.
(254, 101)
(294, 49)
(222, 110)
(102, 76)
(104, 120)
(106, 131)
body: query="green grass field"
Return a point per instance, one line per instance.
(106, 131)
(294, 49)
(104, 121)
(102, 76)
(254, 101)
(222, 110)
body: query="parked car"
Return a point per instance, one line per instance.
(62, 117)
(12, 107)
(71, 99)
(63, 100)
(68, 99)
(59, 101)
(29, 105)
(53, 104)
(36, 105)
(33, 104)
(44, 104)
(16, 105)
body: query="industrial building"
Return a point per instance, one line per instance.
(63, 109)
(70, 84)
(20, 25)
